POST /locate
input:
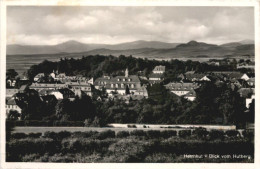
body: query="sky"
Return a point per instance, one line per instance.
(50, 25)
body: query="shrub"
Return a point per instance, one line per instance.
(50, 134)
(184, 133)
(153, 133)
(105, 134)
(86, 134)
(232, 133)
(200, 132)
(248, 134)
(131, 126)
(18, 135)
(35, 135)
(63, 134)
(168, 133)
(122, 134)
(216, 134)
(137, 133)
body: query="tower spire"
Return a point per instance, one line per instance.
(126, 72)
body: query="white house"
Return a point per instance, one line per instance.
(159, 69)
(38, 76)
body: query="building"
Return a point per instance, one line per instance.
(14, 105)
(159, 69)
(183, 89)
(83, 86)
(38, 76)
(193, 77)
(11, 82)
(249, 100)
(120, 84)
(191, 95)
(10, 92)
(101, 82)
(155, 78)
(251, 82)
(232, 75)
(54, 86)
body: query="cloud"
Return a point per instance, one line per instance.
(50, 25)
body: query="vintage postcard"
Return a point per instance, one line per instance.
(129, 84)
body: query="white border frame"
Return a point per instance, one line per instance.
(3, 8)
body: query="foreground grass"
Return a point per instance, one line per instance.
(134, 146)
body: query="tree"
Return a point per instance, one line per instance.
(13, 115)
(127, 91)
(11, 74)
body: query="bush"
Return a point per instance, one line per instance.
(153, 133)
(50, 134)
(86, 134)
(184, 133)
(200, 132)
(18, 135)
(216, 134)
(122, 134)
(168, 133)
(63, 134)
(137, 133)
(131, 126)
(105, 134)
(248, 134)
(232, 133)
(35, 135)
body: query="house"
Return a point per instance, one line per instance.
(38, 76)
(120, 84)
(155, 78)
(251, 82)
(142, 92)
(11, 82)
(246, 92)
(183, 89)
(159, 69)
(14, 105)
(249, 100)
(232, 75)
(83, 86)
(197, 77)
(191, 95)
(10, 92)
(54, 86)
(101, 82)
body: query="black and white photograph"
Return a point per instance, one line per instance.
(129, 84)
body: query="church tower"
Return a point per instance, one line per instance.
(126, 72)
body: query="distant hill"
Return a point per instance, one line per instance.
(74, 46)
(144, 49)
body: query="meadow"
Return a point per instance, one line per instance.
(137, 146)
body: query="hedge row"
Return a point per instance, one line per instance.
(118, 150)
(47, 123)
(199, 133)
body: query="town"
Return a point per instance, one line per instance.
(56, 86)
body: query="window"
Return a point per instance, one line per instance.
(129, 80)
(124, 79)
(112, 85)
(118, 79)
(122, 85)
(116, 85)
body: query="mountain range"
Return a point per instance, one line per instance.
(141, 48)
